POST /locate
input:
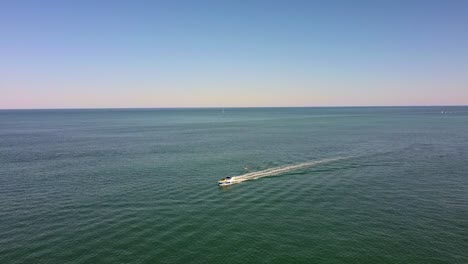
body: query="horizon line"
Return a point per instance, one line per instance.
(225, 107)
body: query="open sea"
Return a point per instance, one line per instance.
(323, 185)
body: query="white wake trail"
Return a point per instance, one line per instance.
(280, 170)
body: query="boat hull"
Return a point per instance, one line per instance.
(226, 181)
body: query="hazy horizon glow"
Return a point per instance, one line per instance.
(129, 54)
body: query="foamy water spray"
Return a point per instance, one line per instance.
(279, 170)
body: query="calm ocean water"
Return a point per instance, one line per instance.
(139, 186)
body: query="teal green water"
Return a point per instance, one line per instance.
(139, 186)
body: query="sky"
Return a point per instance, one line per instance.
(106, 54)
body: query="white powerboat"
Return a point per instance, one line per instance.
(226, 181)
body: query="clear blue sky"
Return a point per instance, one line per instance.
(72, 54)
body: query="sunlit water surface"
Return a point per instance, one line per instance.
(361, 185)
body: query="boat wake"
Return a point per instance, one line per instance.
(279, 170)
